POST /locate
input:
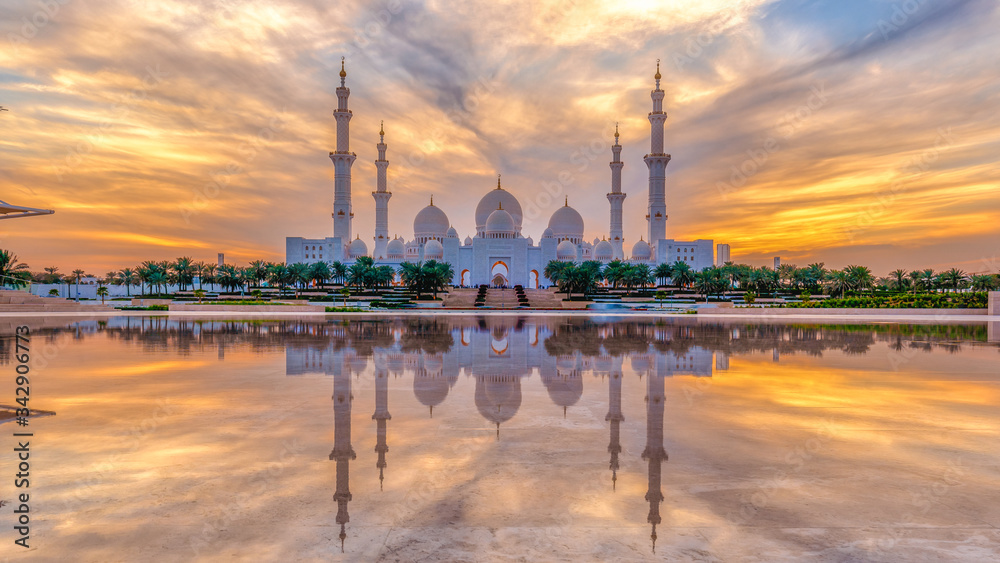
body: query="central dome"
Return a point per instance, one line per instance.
(430, 222)
(500, 222)
(496, 199)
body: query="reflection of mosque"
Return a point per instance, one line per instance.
(500, 355)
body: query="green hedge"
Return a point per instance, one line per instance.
(900, 301)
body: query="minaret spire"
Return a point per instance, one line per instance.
(381, 195)
(343, 160)
(657, 161)
(617, 199)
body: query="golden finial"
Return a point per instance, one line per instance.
(657, 75)
(616, 130)
(567, 201)
(499, 206)
(432, 200)
(381, 127)
(343, 73)
(498, 182)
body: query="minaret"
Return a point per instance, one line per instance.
(343, 160)
(655, 454)
(381, 414)
(342, 452)
(617, 198)
(657, 162)
(381, 196)
(615, 417)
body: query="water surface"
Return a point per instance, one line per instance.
(506, 438)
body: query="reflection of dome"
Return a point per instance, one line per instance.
(358, 248)
(433, 250)
(565, 390)
(640, 363)
(429, 384)
(567, 223)
(430, 222)
(395, 248)
(603, 251)
(496, 199)
(641, 250)
(500, 224)
(452, 233)
(498, 397)
(566, 251)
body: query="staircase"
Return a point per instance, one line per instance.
(14, 301)
(501, 299)
(460, 299)
(544, 298)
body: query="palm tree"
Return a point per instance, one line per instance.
(206, 274)
(840, 281)
(184, 268)
(709, 281)
(986, 282)
(78, 273)
(125, 276)
(860, 277)
(682, 274)
(638, 275)
(102, 292)
(51, 274)
(898, 280)
(412, 276)
(258, 271)
(927, 279)
(614, 272)
(555, 270)
(338, 272)
(319, 272)
(953, 278)
(384, 276)
(663, 273)
(298, 275)
(12, 271)
(438, 276)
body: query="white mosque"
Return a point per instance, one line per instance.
(498, 254)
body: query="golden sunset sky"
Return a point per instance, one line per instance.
(159, 129)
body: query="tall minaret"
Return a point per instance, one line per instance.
(617, 198)
(342, 159)
(381, 196)
(342, 452)
(654, 453)
(657, 162)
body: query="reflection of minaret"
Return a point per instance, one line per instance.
(381, 412)
(615, 417)
(342, 452)
(654, 453)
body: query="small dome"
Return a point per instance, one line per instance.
(596, 241)
(430, 222)
(452, 233)
(566, 222)
(566, 251)
(500, 223)
(468, 241)
(433, 250)
(604, 251)
(547, 233)
(395, 248)
(641, 250)
(358, 248)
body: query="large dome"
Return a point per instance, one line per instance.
(430, 222)
(641, 250)
(566, 251)
(496, 199)
(433, 250)
(358, 248)
(500, 222)
(604, 251)
(566, 222)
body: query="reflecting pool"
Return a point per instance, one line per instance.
(507, 438)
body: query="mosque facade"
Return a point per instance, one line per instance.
(498, 253)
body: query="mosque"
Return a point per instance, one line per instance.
(499, 254)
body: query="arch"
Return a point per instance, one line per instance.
(533, 279)
(499, 280)
(466, 278)
(499, 267)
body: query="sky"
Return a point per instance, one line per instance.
(848, 132)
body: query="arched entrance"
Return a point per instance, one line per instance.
(499, 274)
(466, 278)
(533, 279)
